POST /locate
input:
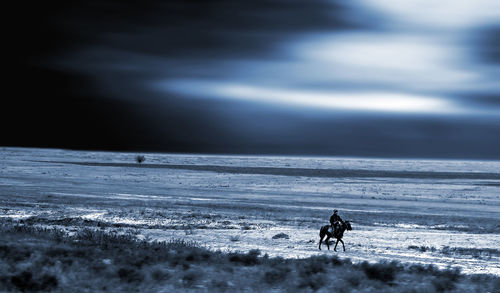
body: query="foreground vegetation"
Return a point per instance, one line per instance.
(40, 259)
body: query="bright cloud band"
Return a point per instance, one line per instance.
(350, 101)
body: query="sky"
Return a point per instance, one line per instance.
(377, 78)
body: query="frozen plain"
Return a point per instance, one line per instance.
(442, 212)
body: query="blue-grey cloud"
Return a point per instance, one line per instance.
(425, 59)
(364, 77)
(486, 44)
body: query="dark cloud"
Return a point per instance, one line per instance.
(371, 136)
(184, 28)
(80, 73)
(56, 100)
(489, 101)
(486, 44)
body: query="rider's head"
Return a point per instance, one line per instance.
(335, 211)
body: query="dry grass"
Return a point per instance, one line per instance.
(38, 259)
(480, 253)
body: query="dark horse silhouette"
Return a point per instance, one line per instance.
(340, 233)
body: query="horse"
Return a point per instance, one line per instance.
(338, 235)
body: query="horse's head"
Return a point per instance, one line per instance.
(348, 225)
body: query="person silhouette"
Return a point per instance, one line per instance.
(335, 221)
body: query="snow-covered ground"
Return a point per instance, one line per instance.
(445, 213)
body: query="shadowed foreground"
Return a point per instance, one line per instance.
(34, 259)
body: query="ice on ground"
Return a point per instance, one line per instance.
(16, 214)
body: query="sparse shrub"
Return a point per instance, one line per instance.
(97, 266)
(482, 278)
(48, 282)
(58, 235)
(254, 253)
(191, 256)
(417, 269)
(422, 248)
(58, 252)
(442, 284)
(183, 255)
(353, 280)
(336, 261)
(275, 261)
(189, 231)
(206, 255)
(130, 275)
(281, 236)
(220, 285)
(13, 253)
(277, 273)
(452, 274)
(486, 253)
(246, 227)
(191, 276)
(249, 259)
(140, 159)
(384, 272)
(25, 281)
(431, 269)
(496, 285)
(181, 244)
(141, 260)
(159, 274)
(312, 271)
(446, 250)
(315, 282)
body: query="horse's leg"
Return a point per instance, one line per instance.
(342, 243)
(320, 240)
(335, 248)
(327, 244)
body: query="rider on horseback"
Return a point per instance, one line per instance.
(335, 221)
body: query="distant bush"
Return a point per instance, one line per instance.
(474, 252)
(140, 159)
(422, 248)
(246, 226)
(281, 236)
(483, 253)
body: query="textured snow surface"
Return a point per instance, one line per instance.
(407, 210)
